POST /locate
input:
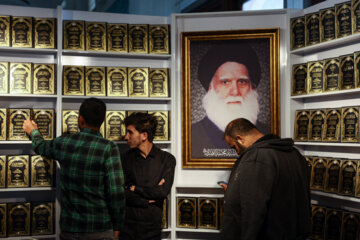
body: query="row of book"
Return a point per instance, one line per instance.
(113, 128)
(16, 31)
(12, 119)
(332, 74)
(25, 219)
(116, 81)
(26, 78)
(116, 37)
(327, 125)
(28, 32)
(202, 212)
(38, 78)
(329, 223)
(334, 175)
(21, 171)
(327, 24)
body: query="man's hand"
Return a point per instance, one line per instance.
(29, 125)
(152, 201)
(132, 188)
(162, 181)
(223, 184)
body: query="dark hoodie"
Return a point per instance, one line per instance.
(268, 193)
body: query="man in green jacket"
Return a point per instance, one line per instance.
(91, 176)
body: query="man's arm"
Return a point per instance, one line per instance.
(114, 186)
(40, 146)
(135, 200)
(161, 190)
(251, 192)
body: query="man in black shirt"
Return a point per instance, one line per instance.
(149, 175)
(267, 197)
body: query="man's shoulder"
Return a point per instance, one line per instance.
(163, 153)
(162, 157)
(168, 155)
(254, 153)
(130, 152)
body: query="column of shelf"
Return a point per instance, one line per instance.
(198, 191)
(334, 99)
(58, 99)
(125, 101)
(7, 147)
(148, 103)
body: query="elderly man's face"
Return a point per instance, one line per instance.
(231, 95)
(231, 79)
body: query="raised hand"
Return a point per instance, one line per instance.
(29, 125)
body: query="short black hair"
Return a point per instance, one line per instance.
(239, 126)
(93, 111)
(229, 51)
(143, 122)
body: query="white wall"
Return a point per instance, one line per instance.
(224, 21)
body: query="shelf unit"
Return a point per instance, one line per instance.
(48, 56)
(187, 182)
(203, 182)
(335, 99)
(59, 102)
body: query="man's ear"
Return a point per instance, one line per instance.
(240, 139)
(81, 122)
(144, 136)
(210, 85)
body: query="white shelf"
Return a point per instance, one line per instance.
(116, 55)
(29, 50)
(162, 142)
(327, 144)
(15, 142)
(324, 46)
(155, 142)
(196, 191)
(201, 230)
(31, 237)
(120, 98)
(199, 186)
(29, 142)
(336, 196)
(200, 195)
(326, 94)
(27, 189)
(17, 95)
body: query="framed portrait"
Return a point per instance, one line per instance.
(227, 75)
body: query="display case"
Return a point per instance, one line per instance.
(188, 183)
(59, 57)
(338, 98)
(202, 182)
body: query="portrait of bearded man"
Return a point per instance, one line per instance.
(230, 73)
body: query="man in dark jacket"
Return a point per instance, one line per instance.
(267, 196)
(149, 175)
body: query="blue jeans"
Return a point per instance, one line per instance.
(107, 235)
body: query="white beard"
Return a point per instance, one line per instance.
(221, 113)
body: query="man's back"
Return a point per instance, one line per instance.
(90, 180)
(268, 194)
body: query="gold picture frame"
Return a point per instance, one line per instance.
(195, 47)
